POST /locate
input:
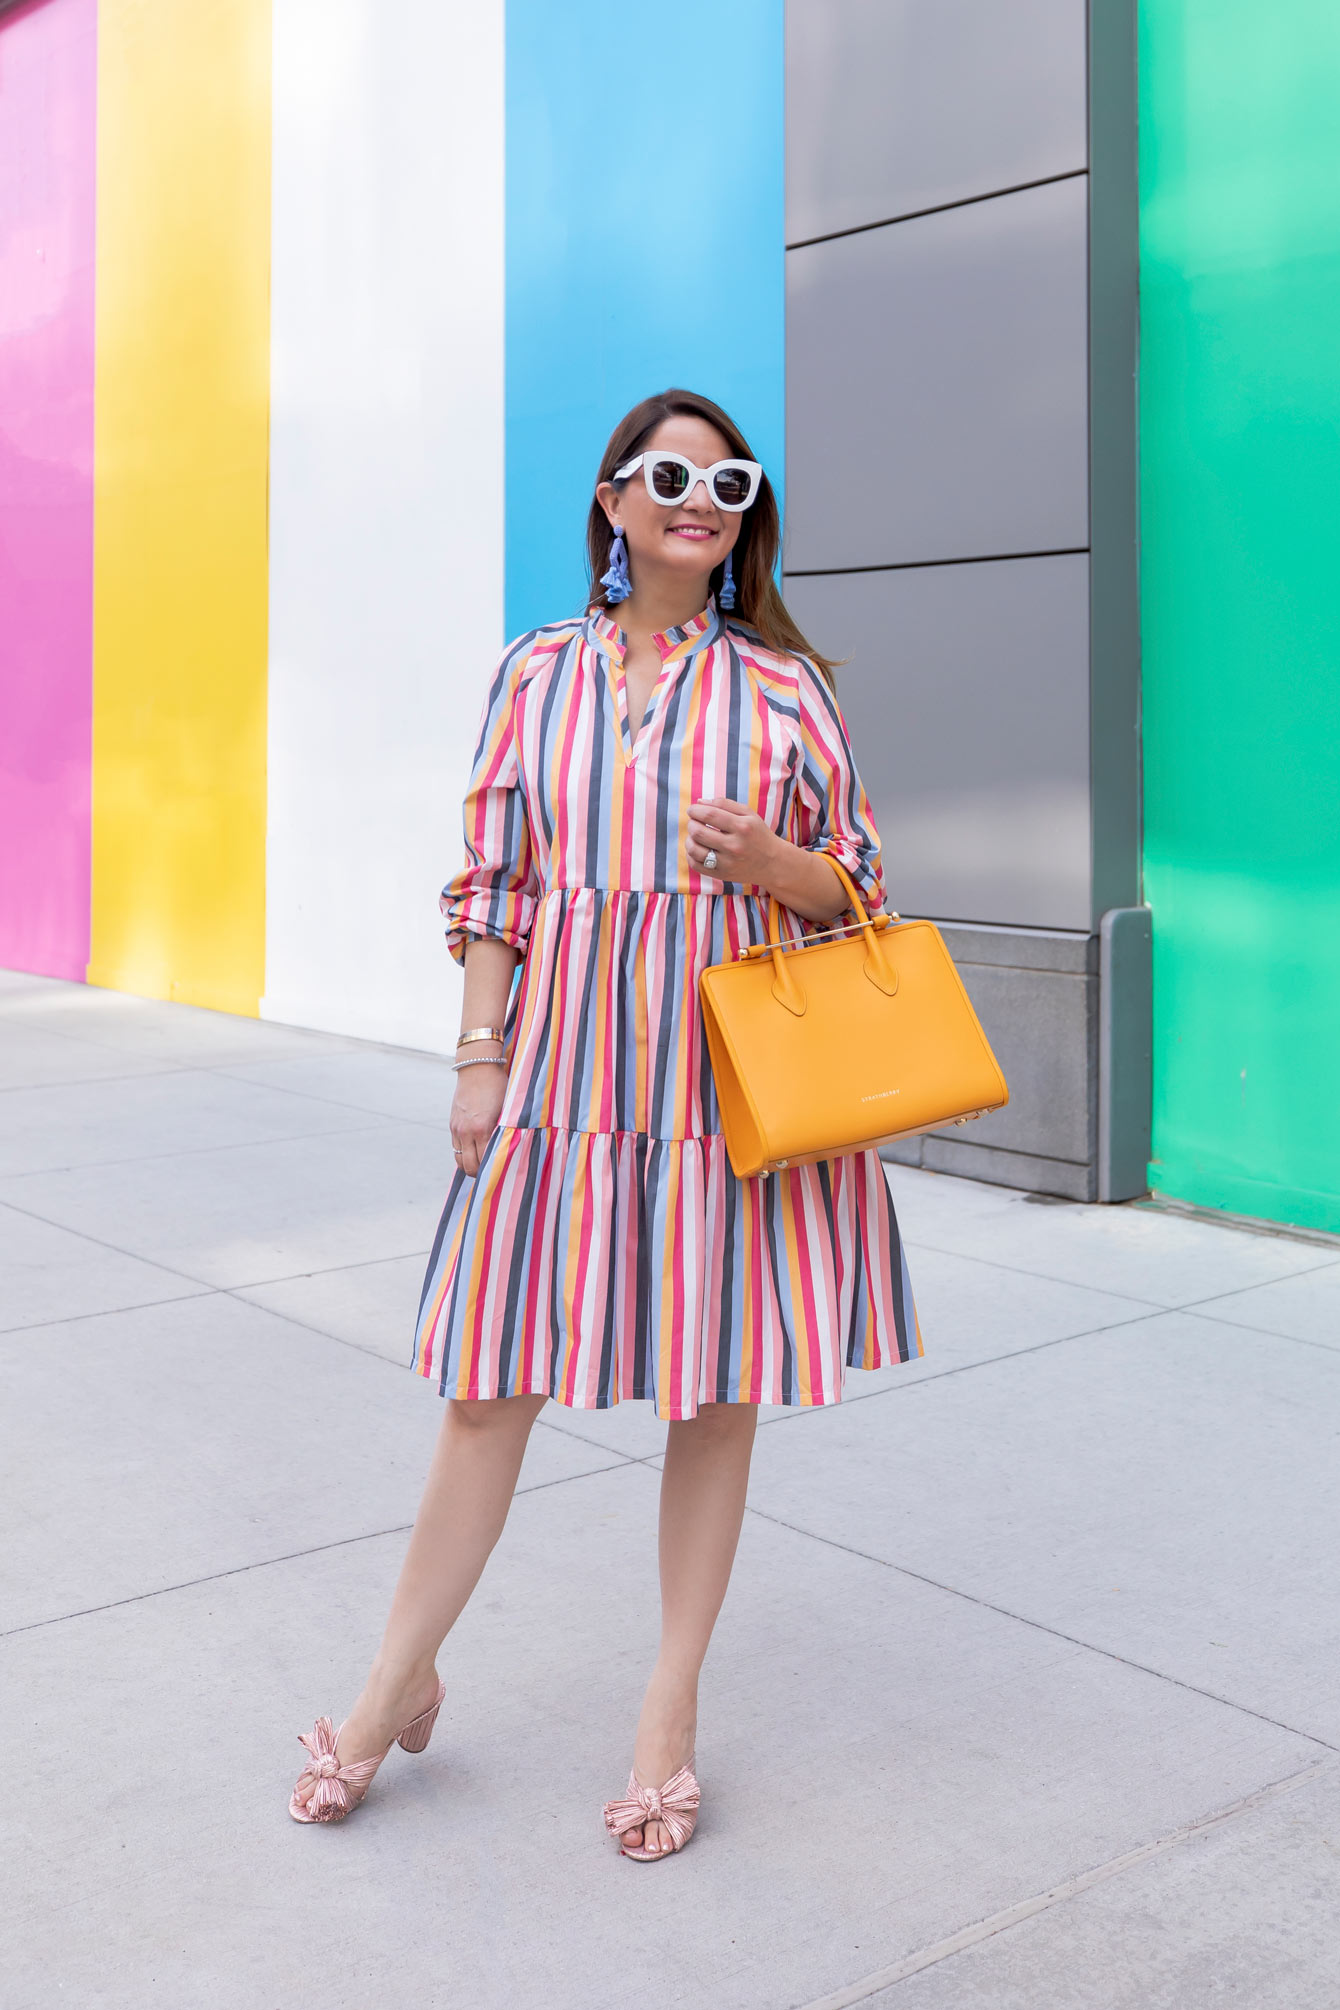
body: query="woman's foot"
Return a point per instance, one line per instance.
(331, 1785)
(387, 1704)
(666, 1732)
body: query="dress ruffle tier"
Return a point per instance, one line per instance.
(606, 1249)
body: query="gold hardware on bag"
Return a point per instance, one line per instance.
(850, 1023)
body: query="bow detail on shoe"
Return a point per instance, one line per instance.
(675, 1803)
(323, 1789)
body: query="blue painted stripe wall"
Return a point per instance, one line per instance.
(645, 247)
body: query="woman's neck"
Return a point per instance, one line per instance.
(652, 608)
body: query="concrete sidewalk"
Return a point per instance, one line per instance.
(1027, 1693)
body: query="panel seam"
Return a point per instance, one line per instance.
(938, 208)
(926, 564)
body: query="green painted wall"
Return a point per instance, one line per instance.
(1240, 501)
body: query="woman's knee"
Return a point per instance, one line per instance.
(480, 1415)
(719, 1421)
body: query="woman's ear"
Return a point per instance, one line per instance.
(608, 498)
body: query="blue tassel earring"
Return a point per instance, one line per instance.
(616, 582)
(726, 597)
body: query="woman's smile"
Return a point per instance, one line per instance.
(692, 530)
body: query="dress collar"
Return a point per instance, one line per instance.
(604, 633)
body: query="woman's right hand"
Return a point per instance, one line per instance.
(475, 1110)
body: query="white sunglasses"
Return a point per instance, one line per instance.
(671, 477)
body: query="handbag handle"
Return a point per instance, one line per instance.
(785, 987)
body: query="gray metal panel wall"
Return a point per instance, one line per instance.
(965, 688)
(901, 105)
(937, 378)
(1037, 995)
(943, 370)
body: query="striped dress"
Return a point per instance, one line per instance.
(605, 1249)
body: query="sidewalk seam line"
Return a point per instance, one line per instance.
(1040, 1626)
(1265, 1332)
(1241, 1290)
(169, 1270)
(113, 1311)
(317, 1332)
(969, 1937)
(906, 1386)
(1045, 1276)
(197, 1151)
(92, 1081)
(99, 1242)
(335, 1270)
(332, 1102)
(619, 1460)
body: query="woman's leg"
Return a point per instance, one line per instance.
(465, 1501)
(703, 1491)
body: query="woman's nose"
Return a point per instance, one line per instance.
(697, 497)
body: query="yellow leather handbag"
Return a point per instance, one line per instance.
(842, 1041)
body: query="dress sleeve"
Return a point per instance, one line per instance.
(832, 811)
(497, 890)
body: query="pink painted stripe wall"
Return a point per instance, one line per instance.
(48, 113)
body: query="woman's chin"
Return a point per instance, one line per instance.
(690, 557)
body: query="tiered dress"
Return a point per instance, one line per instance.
(605, 1249)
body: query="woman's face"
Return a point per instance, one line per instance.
(686, 540)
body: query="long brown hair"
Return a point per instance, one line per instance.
(758, 604)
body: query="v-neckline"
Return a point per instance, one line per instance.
(677, 646)
(632, 742)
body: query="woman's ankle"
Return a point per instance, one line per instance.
(667, 1726)
(399, 1682)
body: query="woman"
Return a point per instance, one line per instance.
(640, 785)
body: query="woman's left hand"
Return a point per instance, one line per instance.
(745, 846)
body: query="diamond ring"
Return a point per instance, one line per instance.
(710, 862)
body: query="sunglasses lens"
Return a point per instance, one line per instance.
(669, 479)
(733, 486)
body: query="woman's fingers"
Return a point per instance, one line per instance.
(714, 824)
(733, 832)
(473, 1123)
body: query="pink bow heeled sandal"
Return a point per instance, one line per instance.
(675, 1804)
(327, 1791)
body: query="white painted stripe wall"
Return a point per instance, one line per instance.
(386, 498)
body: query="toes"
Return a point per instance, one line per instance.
(652, 1836)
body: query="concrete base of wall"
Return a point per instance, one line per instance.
(1036, 993)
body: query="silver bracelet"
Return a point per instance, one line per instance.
(483, 1061)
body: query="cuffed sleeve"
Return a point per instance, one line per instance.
(832, 811)
(497, 890)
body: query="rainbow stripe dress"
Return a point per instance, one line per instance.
(605, 1249)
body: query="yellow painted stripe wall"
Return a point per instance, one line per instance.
(181, 447)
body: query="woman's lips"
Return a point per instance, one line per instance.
(695, 533)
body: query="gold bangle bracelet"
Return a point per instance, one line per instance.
(479, 1033)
